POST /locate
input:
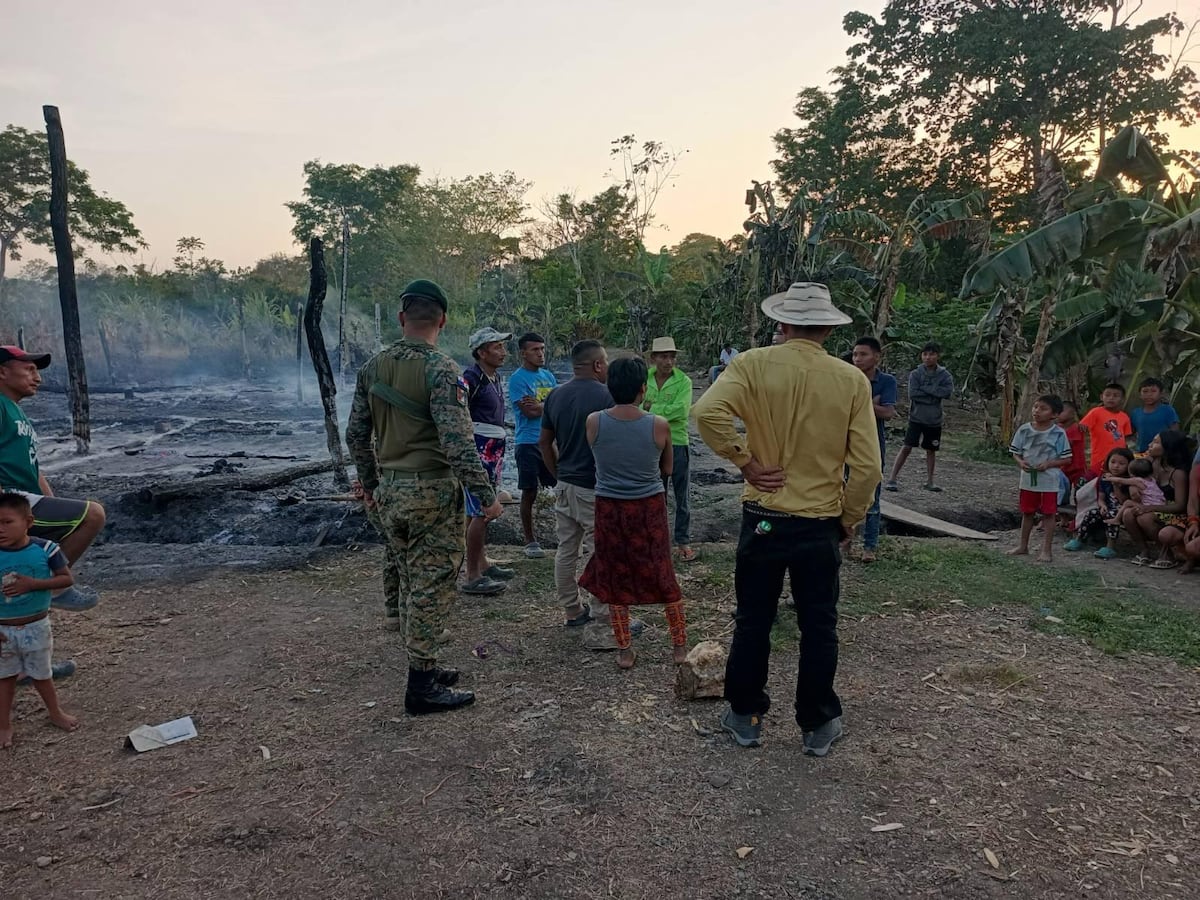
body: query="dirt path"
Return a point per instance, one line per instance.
(570, 779)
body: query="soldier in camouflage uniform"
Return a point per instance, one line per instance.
(412, 442)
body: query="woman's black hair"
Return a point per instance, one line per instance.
(1176, 453)
(626, 378)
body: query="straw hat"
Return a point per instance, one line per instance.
(663, 345)
(805, 303)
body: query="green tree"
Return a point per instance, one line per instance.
(94, 218)
(998, 85)
(852, 141)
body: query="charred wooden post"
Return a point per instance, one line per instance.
(67, 297)
(107, 351)
(342, 341)
(317, 284)
(241, 305)
(21, 337)
(299, 352)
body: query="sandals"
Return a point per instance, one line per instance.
(686, 554)
(1163, 564)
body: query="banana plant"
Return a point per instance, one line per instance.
(1128, 272)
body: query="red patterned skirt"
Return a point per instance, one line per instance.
(631, 565)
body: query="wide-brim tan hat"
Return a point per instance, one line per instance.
(663, 345)
(805, 303)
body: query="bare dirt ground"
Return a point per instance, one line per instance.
(1018, 763)
(571, 779)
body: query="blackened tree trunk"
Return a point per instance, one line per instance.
(317, 283)
(67, 296)
(299, 352)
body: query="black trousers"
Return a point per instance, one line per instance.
(808, 550)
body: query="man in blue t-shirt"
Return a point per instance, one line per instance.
(866, 356)
(1154, 416)
(528, 388)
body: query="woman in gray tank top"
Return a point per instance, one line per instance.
(631, 563)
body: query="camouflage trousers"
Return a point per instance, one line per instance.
(422, 521)
(391, 571)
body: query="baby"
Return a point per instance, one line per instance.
(1143, 489)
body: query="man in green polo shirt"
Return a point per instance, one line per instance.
(669, 394)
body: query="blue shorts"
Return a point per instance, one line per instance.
(491, 454)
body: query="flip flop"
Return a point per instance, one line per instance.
(484, 587)
(632, 662)
(1140, 560)
(686, 554)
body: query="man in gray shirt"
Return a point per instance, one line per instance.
(928, 385)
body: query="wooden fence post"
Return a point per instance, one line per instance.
(21, 337)
(107, 352)
(299, 352)
(67, 297)
(342, 338)
(241, 306)
(317, 284)
(378, 330)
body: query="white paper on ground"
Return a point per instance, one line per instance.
(151, 737)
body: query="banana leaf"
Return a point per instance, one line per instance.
(948, 218)
(1131, 155)
(1183, 233)
(1091, 335)
(1093, 231)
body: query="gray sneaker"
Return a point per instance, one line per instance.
(534, 551)
(484, 587)
(746, 730)
(818, 741)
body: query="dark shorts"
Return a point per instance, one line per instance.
(54, 518)
(1044, 502)
(927, 437)
(491, 454)
(531, 468)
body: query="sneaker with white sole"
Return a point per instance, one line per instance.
(534, 551)
(746, 730)
(818, 741)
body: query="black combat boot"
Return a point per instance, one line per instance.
(445, 677)
(426, 695)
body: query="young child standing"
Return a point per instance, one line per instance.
(1068, 421)
(30, 568)
(1153, 415)
(1040, 447)
(1107, 427)
(1110, 496)
(631, 563)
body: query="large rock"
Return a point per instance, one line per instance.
(703, 673)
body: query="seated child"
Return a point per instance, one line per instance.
(1110, 496)
(30, 568)
(1040, 447)
(631, 562)
(1143, 489)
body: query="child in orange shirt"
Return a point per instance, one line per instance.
(1107, 427)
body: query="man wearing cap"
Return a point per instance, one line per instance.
(669, 394)
(808, 419)
(485, 401)
(410, 436)
(72, 524)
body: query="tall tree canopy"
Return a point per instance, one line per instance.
(997, 85)
(94, 218)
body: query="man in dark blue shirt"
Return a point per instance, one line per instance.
(866, 356)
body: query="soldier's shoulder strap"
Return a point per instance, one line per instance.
(406, 405)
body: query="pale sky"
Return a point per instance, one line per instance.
(200, 117)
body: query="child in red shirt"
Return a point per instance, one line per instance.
(1107, 426)
(1069, 422)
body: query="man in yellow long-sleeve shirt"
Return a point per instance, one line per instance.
(809, 421)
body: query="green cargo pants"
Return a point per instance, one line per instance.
(422, 519)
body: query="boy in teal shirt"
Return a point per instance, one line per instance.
(30, 568)
(669, 394)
